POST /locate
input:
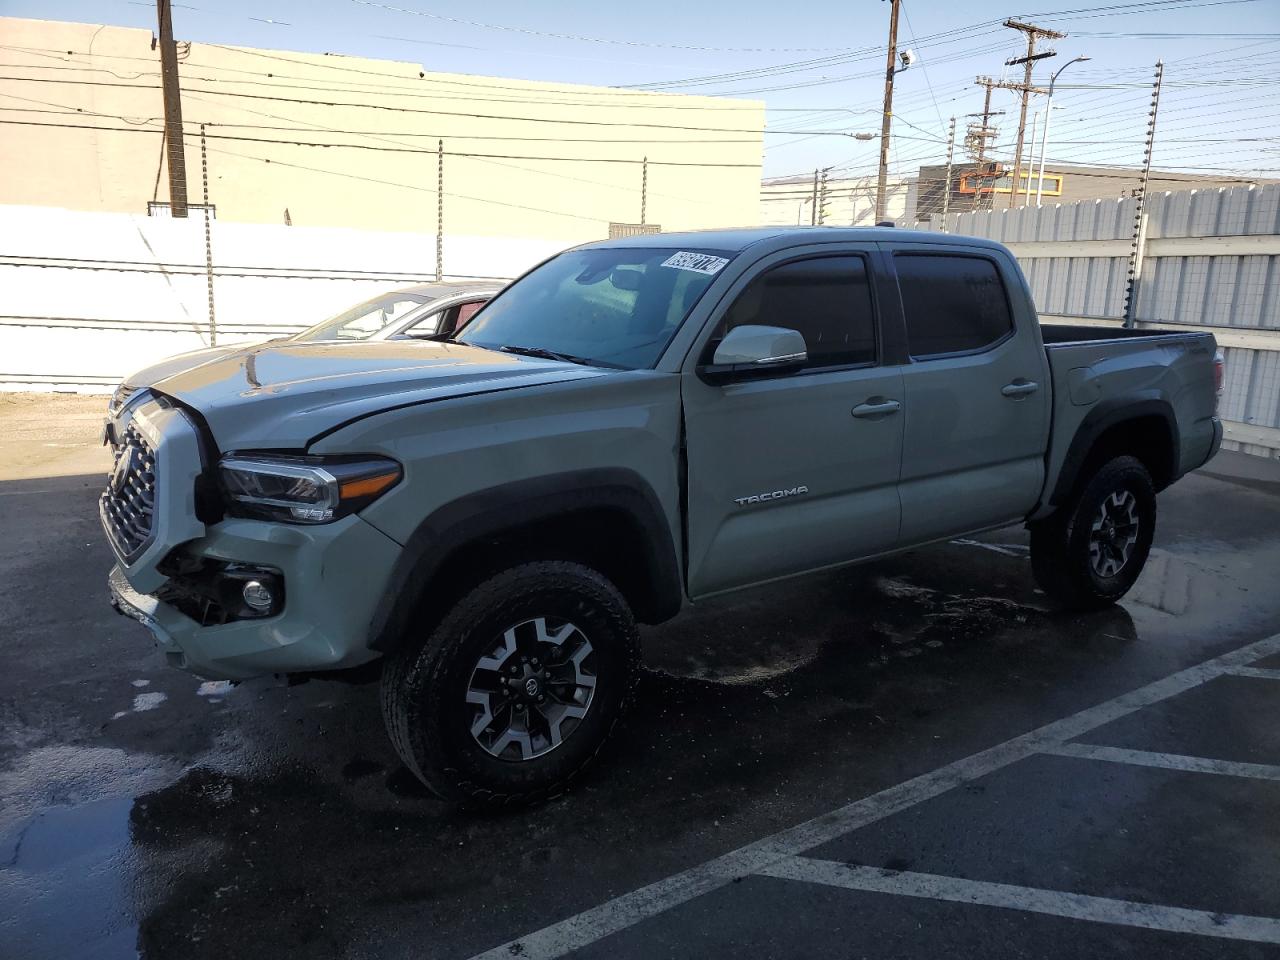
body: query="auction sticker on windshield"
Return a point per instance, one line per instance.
(697, 262)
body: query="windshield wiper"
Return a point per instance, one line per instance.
(544, 354)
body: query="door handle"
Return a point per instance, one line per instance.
(1019, 389)
(876, 408)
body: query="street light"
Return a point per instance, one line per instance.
(1044, 134)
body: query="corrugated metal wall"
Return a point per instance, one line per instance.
(1252, 394)
(1229, 291)
(1236, 292)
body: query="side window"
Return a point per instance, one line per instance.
(828, 299)
(952, 303)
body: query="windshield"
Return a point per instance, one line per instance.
(610, 307)
(365, 319)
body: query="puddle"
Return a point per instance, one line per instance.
(68, 878)
(67, 862)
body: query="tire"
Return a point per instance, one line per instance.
(1072, 557)
(531, 622)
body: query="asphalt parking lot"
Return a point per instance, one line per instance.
(914, 758)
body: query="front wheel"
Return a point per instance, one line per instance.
(517, 688)
(1090, 553)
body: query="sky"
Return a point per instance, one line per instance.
(819, 66)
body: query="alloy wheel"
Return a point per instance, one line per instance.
(1114, 533)
(531, 689)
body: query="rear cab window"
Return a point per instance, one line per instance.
(953, 303)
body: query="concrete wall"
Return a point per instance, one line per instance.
(94, 296)
(1211, 260)
(383, 120)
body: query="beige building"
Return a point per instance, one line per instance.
(327, 140)
(840, 201)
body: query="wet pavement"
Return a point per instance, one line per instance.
(144, 812)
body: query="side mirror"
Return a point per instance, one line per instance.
(752, 350)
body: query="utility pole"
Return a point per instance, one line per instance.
(1140, 211)
(822, 196)
(172, 112)
(1033, 33)
(813, 206)
(946, 187)
(976, 136)
(882, 181)
(979, 136)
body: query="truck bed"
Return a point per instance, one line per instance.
(1059, 333)
(1096, 368)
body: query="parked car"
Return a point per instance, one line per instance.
(420, 311)
(633, 425)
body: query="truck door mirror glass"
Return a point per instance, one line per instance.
(752, 350)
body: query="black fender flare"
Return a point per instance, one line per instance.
(490, 512)
(1105, 415)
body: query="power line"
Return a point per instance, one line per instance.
(397, 109)
(416, 150)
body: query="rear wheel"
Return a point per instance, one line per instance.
(1089, 553)
(517, 688)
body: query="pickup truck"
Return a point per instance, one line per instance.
(630, 426)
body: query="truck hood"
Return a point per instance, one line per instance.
(176, 364)
(282, 395)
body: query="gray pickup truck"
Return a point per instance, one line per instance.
(631, 425)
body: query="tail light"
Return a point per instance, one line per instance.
(1219, 375)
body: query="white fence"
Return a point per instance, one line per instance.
(1210, 259)
(86, 298)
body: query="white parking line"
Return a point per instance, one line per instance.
(1056, 903)
(631, 908)
(1262, 673)
(1166, 761)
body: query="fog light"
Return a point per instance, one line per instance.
(258, 596)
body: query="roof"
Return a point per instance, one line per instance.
(738, 240)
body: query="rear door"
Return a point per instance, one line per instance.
(794, 471)
(977, 392)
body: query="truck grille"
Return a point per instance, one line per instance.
(128, 504)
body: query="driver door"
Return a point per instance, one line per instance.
(790, 472)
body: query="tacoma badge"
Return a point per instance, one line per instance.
(775, 495)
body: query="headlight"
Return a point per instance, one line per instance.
(304, 489)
